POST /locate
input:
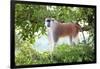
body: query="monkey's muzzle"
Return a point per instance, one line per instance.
(48, 25)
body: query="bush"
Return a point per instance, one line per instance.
(61, 54)
(70, 54)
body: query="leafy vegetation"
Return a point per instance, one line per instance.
(61, 54)
(29, 26)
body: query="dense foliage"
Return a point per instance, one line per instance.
(61, 54)
(29, 26)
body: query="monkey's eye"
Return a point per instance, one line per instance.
(48, 20)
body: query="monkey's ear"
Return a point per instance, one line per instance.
(53, 19)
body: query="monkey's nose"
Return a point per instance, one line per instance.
(48, 25)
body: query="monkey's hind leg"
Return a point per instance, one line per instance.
(51, 52)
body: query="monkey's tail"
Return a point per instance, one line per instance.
(82, 33)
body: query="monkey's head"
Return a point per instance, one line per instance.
(49, 22)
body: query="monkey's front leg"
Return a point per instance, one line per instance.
(51, 40)
(51, 44)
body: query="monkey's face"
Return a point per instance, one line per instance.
(49, 22)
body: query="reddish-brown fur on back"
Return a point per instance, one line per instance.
(67, 29)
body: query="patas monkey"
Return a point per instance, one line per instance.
(56, 30)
